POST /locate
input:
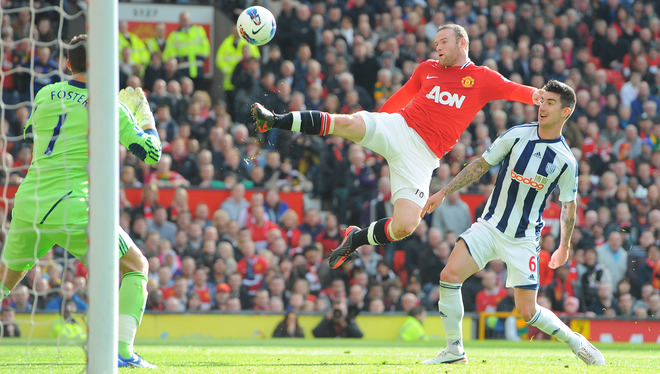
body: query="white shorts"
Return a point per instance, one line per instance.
(521, 255)
(410, 160)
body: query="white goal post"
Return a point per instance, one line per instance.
(103, 254)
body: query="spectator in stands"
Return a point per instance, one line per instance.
(259, 226)
(44, 68)
(251, 267)
(289, 327)
(312, 223)
(488, 298)
(432, 259)
(594, 274)
(68, 327)
(163, 176)
(221, 296)
(21, 299)
(614, 257)
(157, 42)
(190, 46)
(236, 202)
(654, 305)
(625, 304)
(649, 272)
(315, 271)
(275, 207)
(369, 260)
(454, 215)
(338, 322)
(155, 300)
(164, 121)
(8, 320)
(413, 328)
(140, 55)
(66, 293)
(202, 288)
(289, 228)
(330, 235)
(173, 305)
(165, 228)
(604, 304)
(238, 290)
(175, 100)
(408, 301)
(261, 301)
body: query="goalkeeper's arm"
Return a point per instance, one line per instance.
(137, 126)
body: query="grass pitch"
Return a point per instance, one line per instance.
(332, 356)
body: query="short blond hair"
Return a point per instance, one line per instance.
(459, 32)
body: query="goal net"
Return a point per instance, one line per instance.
(52, 304)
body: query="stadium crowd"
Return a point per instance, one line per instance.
(345, 56)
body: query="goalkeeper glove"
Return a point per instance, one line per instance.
(137, 103)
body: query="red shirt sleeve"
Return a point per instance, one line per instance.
(502, 88)
(522, 93)
(403, 96)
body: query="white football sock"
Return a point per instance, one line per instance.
(127, 329)
(546, 321)
(450, 306)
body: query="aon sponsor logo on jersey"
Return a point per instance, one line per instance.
(445, 97)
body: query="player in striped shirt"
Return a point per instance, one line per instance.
(417, 126)
(534, 159)
(51, 205)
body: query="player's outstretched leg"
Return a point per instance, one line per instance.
(546, 321)
(587, 352)
(311, 122)
(345, 249)
(377, 233)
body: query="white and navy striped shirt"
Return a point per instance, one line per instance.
(531, 168)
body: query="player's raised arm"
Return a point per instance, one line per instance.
(471, 173)
(513, 91)
(137, 126)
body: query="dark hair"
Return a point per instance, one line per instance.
(416, 310)
(78, 54)
(566, 94)
(459, 32)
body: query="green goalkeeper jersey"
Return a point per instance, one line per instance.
(55, 190)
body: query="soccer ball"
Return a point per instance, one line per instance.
(256, 25)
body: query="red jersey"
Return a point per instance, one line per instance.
(487, 300)
(253, 270)
(446, 99)
(204, 296)
(545, 273)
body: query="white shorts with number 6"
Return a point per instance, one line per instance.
(410, 160)
(486, 243)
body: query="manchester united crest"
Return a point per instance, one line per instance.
(467, 81)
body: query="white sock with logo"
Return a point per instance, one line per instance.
(546, 321)
(450, 307)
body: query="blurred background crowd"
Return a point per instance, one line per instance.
(344, 56)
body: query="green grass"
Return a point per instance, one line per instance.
(332, 356)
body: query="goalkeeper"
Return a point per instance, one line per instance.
(51, 204)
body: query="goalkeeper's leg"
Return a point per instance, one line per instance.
(132, 292)
(23, 247)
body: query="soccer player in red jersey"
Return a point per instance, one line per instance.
(416, 127)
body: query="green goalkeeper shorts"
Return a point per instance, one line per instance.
(28, 242)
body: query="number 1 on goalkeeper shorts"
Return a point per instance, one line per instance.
(56, 134)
